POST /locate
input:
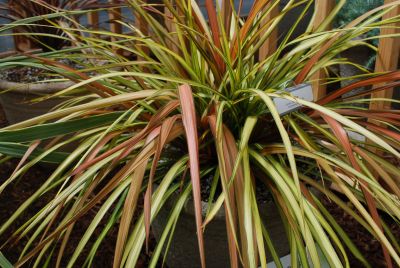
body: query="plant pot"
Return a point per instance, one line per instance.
(183, 251)
(15, 98)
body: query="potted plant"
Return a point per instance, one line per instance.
(194, 125)
(22, 83)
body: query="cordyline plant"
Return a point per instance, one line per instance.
(45, 33)
(196, 102)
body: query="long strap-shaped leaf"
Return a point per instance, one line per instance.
(341, 134)
(226, 169)
(384, 78)
(311, 62)
(4, 263)
(212, 15)
(165, 130)
(189, 123)
(127, 213)
(51, 130)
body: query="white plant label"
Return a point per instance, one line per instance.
(356, 136)
(285, 260)
(302, 91)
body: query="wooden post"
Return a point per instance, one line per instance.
(93, 20)
(115, 16)
(141, 24)
(322, 8)
(170, 24)
(387, 58)
(21, 42)
(271, 43)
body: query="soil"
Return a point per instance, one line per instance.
(16, 193)
(27, 74)
(365, 242)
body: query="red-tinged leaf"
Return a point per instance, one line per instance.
(166, 128)
(190, 125)
(378, 114)
(156, 120)
(97, 148)
(127, 146)
(127, 170)
(96, 87)
(384, 78)
(82, 201)
(132, 165)
(212, 15)
(386, 117)
(254, 11)
(28, 152)
(226, 167)
(227, 14)
(307, 194)
(373, 90)
(381, 130)
(341, 134)
(130, 205)
(314, 59)
(135, 139)
(382, 173)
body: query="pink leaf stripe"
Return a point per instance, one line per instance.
(189, 123)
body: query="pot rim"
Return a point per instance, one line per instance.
(34, 88)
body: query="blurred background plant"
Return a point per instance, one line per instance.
(44, 33)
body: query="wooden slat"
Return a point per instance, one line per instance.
(387, 57)
(271, 43)
(387, 60)
(114, 16)
(227, 14)
(21, 43)
(93, 20)
(171, 26)
(140, 23)
(322, 8)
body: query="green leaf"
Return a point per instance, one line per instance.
(50, 130)
(18, 150)
(4, 263)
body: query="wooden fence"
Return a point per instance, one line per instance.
(387, 57)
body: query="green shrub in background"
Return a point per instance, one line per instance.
(352, 10)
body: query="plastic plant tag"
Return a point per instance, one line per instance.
(302, 91)
(356, 136)
(285, 261)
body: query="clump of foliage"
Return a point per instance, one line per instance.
(44, 33)
(196, 99)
